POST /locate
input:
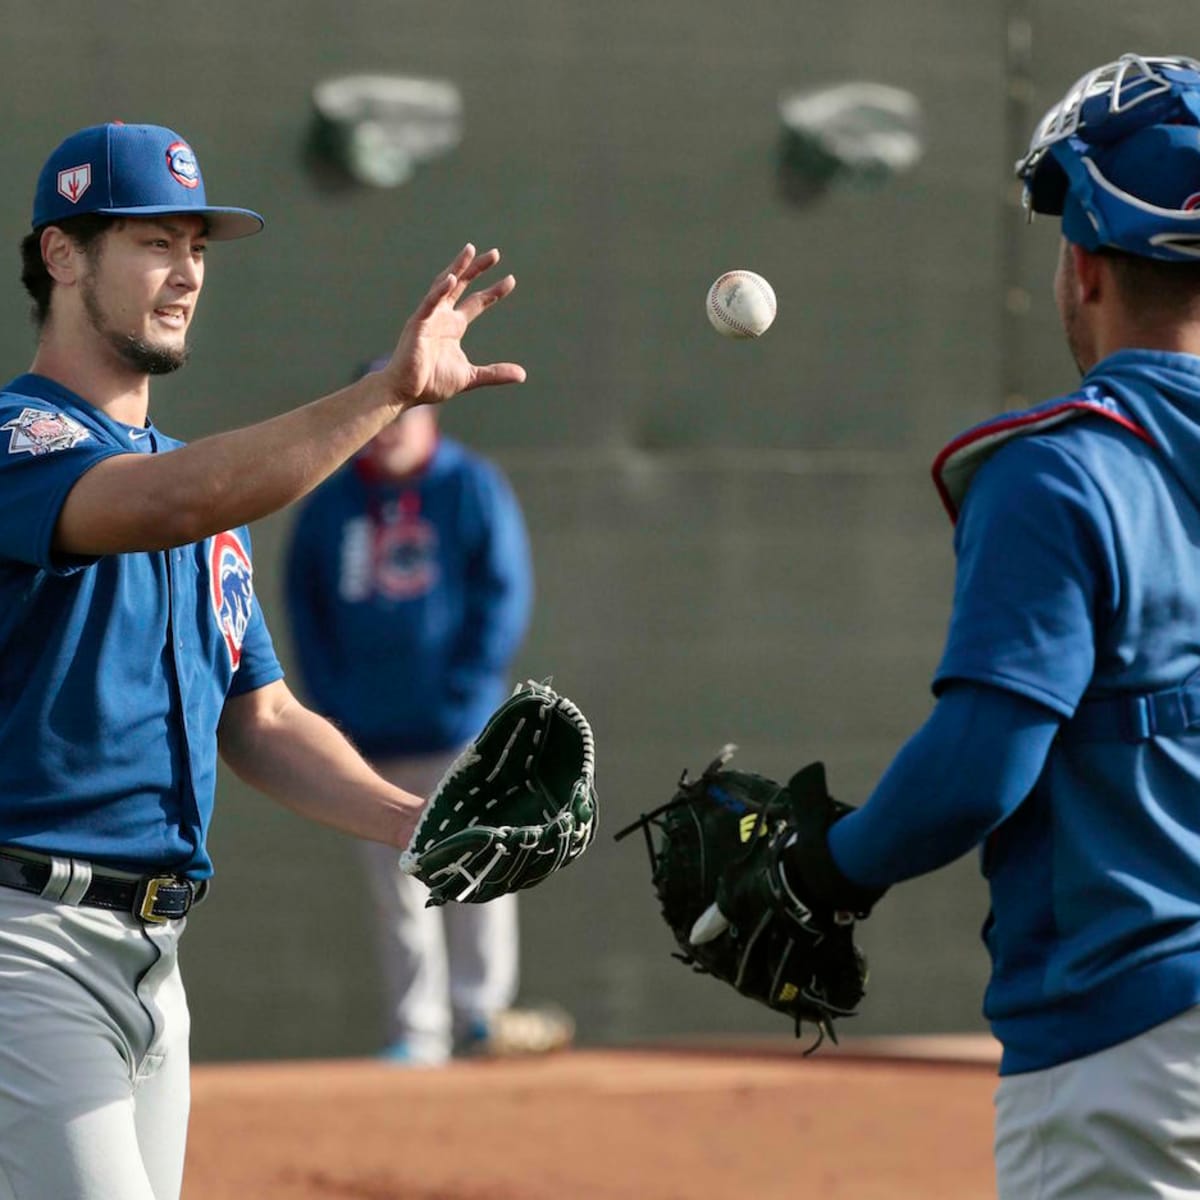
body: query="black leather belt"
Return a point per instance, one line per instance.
(154, 899)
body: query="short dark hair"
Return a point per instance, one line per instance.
(1154, 288)
(82, 230)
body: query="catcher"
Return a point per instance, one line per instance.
(748, 888)
(1065, 741)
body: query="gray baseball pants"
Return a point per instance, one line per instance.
(442, 967)
(1121, 1124)
(94, 1029)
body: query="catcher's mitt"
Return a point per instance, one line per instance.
(735, 914)
(517, 804)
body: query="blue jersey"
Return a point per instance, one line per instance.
(114, 669)
(408, 600)
(1078, 587)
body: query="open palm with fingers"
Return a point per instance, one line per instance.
(429, 364)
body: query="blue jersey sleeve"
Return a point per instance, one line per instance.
(1034, 545)
(43, 453)
(960, 775)
(259, 664)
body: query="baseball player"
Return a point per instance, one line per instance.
(409, 588)
(133, 650)
(1066, 735)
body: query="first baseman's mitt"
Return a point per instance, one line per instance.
(517, 804)
(734, 912)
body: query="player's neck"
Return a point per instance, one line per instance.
(96, 374)
(1185, 339)
(1115, 328)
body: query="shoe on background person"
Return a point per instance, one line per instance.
(410, 1052)
(512, 1032)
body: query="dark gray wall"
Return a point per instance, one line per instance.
(733, 541)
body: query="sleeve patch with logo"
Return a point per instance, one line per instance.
(37, 431)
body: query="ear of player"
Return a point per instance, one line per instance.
(747, 886)
(518, 804)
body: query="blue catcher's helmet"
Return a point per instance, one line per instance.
(1118, 157)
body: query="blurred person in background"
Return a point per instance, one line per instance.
(409, 587)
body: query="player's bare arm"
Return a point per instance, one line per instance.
(140, 502)
(286, 751)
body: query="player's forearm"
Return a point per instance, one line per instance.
(303, 762)
(967, 768)
(234, 478)
(152, 502)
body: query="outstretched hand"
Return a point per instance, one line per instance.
(428, 364)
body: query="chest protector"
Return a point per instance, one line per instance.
(1122, 716)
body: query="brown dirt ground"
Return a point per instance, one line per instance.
(874, 1120)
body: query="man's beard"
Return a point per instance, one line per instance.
(1075, 342)
(133, 350)
(1070, 315)
(152, 360)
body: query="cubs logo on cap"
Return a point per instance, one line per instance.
(181, 162)
(131, 171)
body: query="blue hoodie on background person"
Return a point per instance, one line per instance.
(409, 598)
(409, 589)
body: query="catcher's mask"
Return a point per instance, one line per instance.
(1118, 158)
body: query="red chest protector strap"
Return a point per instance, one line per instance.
(956, 465)
(1126, 716)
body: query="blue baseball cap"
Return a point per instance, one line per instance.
(131, 171)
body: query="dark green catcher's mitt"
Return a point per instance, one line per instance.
(734, 912)
(517, 804)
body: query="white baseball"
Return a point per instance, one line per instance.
(741, 304)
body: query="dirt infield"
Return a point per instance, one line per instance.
(879, 1121)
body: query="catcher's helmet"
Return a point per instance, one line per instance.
(1118, 157)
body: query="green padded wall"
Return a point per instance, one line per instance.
(733, 541)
